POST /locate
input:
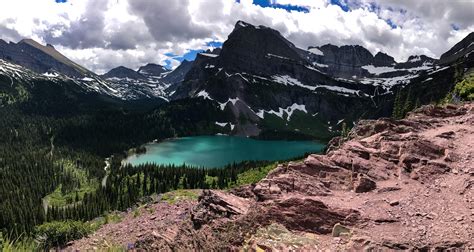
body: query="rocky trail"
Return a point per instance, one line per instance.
(393, 184)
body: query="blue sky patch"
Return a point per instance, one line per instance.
(214, 44)
(341, 4)
(191, 55)
(391, 23)
(287, 7)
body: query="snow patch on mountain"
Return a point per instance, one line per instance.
(233, 101)
(281, 111)
(277, 56)
(209, 55)
(290, 81)
(316, 51)
(415, 59)
(339, 89)
(204, 95)
(232, 126)
(380, 70)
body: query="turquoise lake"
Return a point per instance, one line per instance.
(217, 151)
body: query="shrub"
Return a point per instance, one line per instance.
(465, 89)
(58, 233)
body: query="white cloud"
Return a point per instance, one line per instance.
(107, 33)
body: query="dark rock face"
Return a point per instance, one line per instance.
(364, 184)
(382, 59)
(346, 61)
(248, 48)
(123, 72)
(151, 69)
(175, 77)
(30, 54)
(460, 50)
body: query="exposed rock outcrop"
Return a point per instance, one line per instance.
(214, 204)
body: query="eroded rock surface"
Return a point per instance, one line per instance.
(393, 184)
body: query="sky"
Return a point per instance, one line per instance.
(103, 34)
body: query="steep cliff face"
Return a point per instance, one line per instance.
(346, 61)
(382, 59)
(392, 184)
(463, 49)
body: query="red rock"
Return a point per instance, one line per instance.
(364, 184)
(215, 204)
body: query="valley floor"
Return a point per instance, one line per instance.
(394, 184)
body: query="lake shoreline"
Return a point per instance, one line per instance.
(214, 151)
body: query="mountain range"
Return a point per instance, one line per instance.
(263, 84)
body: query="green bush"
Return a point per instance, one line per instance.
(465, 89)
(254, 175)
(58, 233)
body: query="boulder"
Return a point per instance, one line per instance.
(364, 184)
(339, 229)
(215, 204)
(306, 214)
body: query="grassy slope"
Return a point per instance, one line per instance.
(60, 199)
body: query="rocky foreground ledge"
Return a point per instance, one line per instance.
(393, 184)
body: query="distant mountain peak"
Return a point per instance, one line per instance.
(29, 41)
(382, 59)
(152, 69)
(249, 46)
(123, 72)
(39, 58)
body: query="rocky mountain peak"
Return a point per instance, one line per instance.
(383, 59)
(249, 46)
(29, 42)
(416, 61)
(123, 72)
(152, 69)
(422, 58)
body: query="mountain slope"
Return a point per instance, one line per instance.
(462, 49)
(45, 61)
(41, 59)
